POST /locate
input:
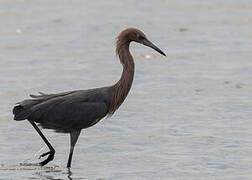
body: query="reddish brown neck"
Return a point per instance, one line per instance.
(122, 87)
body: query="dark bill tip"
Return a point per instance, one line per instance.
(161, 52)
(150, 44)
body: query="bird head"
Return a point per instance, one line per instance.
(133, 34)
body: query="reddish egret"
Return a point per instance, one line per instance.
(70, 112)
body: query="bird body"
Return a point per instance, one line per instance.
(72, 111)
(65, 112)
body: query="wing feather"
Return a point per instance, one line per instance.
(65, 111)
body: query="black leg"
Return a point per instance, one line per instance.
(51, 152)
(73, 138)
(69, 173)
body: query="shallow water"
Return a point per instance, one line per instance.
(188, 115)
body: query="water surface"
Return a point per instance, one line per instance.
(188, 115)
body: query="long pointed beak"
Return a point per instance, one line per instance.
(146, 42)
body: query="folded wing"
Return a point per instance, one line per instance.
(65, 111)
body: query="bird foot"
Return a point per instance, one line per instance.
(48, 159)
(42, 155)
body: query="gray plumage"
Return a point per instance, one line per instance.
(70, 112)
(66, 112)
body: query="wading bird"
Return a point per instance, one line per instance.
(70, 112)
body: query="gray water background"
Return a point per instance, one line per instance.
(188, 115)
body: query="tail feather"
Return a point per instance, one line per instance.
(20, 113)
(25, 109)
(17, 108)
(22, 110)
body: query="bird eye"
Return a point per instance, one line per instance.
(141, 37)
